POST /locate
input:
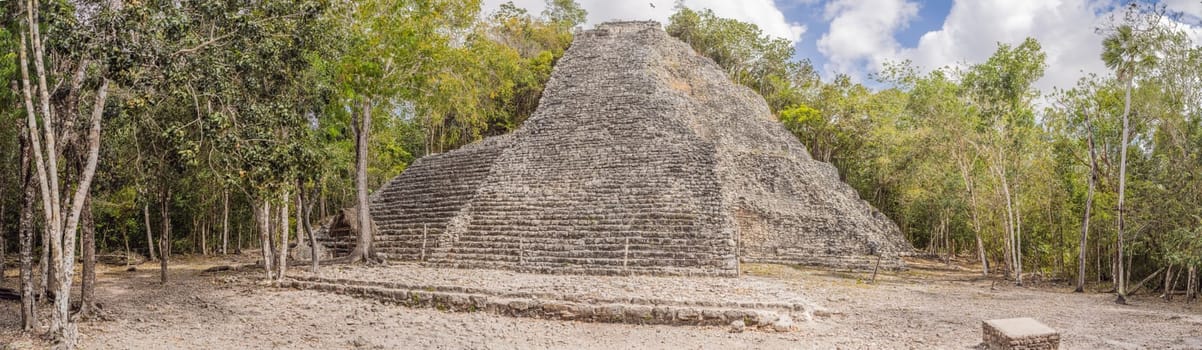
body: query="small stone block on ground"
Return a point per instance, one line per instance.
(1019, 334)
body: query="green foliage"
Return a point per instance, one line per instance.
(751, 58)
(493, 82)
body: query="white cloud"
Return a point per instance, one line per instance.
(1191, 8)
(972, 30)
(762, 13)
(861, 33)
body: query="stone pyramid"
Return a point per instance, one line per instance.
(642, 158)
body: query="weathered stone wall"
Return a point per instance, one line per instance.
(643, 157)
(788, 207)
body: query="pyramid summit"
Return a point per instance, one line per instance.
(643, 157)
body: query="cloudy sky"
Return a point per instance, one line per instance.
(856, 36)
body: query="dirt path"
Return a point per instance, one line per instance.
(915, 310)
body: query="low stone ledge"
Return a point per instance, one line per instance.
(555, 309)
(787, 307)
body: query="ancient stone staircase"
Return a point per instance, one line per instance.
(412, 211)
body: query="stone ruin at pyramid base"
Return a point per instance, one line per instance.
(642, 158)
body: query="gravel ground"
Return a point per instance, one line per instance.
(920, 309)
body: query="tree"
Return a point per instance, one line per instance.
(390, 45)
(750, 57)
(1127, 50)
(1001, 88)
(61, 215)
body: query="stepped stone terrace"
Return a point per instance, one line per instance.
(642, 158)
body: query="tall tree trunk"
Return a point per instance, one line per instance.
(1093, 180)
(125, 237)
(1168, 283)
(47, 180)
(312, 238)
(282, 265)
(1018, 238)
(363, 247)
(165, 233)
(3, 232)
(322, 198)
(1191, 286)
(47, 273)
(149, 230)
(239, 241)
(25, 229)
(1121, 276)
(87, 286)
(225, 221)
(264, 217)
(204, 234)
(299, 212)
(1011, 262)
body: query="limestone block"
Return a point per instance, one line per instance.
(1019, 334)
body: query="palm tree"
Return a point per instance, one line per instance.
(1125, 51)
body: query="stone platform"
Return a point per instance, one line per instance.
(700, 301)
(1019, 334)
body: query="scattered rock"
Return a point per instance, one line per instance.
(783, 324)
(824, 312)
(19, 345)
(220, 268)
(120, 259)
(737, 326)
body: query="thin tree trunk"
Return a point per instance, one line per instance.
(47, 181)
(47, 275)
(299, 212)
(225, 221)
(264, 217)
(66, 330)
(284, 238)
(1121, 275)
(125, 237)
(1191, 286)
(87, 287)
(1168, 284)
(25, 228)
(1011, 262)
(149, 230)
(239, 241)
(1018, 238)
(165, 233)
(3, 241)
(312, 238)
(204, 234)
(1093, 179)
